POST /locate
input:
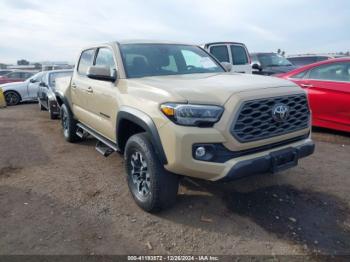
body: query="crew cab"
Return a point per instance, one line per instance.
(233, 53)
(172, 110)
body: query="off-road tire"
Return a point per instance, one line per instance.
(163, 185)
(69, 125)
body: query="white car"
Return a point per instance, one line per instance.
(232, 53)
(22, 91)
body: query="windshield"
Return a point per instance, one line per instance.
(142, 60)
(273, 60)
(54, 76)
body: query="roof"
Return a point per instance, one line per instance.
(263, 53)
(223, 42)
(312, 55)
(147, 41)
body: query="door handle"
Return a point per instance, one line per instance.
(90, 90)
(306, 85)
(74, 85)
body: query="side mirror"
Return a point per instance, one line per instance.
(102, 73)
(256, 66)
(32, 80)
(227, 66)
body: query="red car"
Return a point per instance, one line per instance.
(328, 86)
(16, 76)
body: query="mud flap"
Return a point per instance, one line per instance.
(2, 99)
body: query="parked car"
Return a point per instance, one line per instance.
(46, 91)
(328, 86)
(22, 91)
(172, 109)
(16, 76)
(270, 63)
(231, 52)
(5, 71)
(302, 60)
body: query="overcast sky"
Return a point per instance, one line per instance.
(39, 30)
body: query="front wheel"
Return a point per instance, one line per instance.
(152, 187)
(69, 125)
(12, 98)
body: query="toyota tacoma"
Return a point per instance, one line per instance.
(173, 110)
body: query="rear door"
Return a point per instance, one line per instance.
(235, 54)
(240, 58)
(328, 88)
(81, 90)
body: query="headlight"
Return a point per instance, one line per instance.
(192, 115)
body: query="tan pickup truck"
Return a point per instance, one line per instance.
(173, 110)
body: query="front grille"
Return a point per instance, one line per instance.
(255, 119)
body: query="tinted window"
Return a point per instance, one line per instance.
(332, 72)
(322, 58)
(86, 60)
(239, 55)
(37, 77)
(166, 59)
(306, 60)
(54, 76)
(26, 75)
(220, 52)
(105, 58)
(300, 75)
(14, 75)
(272, 59)
(4, 72)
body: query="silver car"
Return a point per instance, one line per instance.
(22, 91)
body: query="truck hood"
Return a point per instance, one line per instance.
(210, 88)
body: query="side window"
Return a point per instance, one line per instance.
(300, 75)
(239, 55)
(332, 72)
(26, 75)
(86, 60)
(171, 66)
(14, 75)
(105, 58)
(220, 52)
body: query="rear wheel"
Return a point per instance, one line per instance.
(69, 125)
(12, 98)
(152, 187)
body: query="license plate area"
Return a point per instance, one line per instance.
(283, 159)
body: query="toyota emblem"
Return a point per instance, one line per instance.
(280, 112)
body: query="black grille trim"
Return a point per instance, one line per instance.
(255, 122)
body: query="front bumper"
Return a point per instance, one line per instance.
(265, 164)
(178, 144)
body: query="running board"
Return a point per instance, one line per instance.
(81, 133)
(103, 145)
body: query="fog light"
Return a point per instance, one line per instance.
(200, 152)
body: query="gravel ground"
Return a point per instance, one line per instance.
(61, 198)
